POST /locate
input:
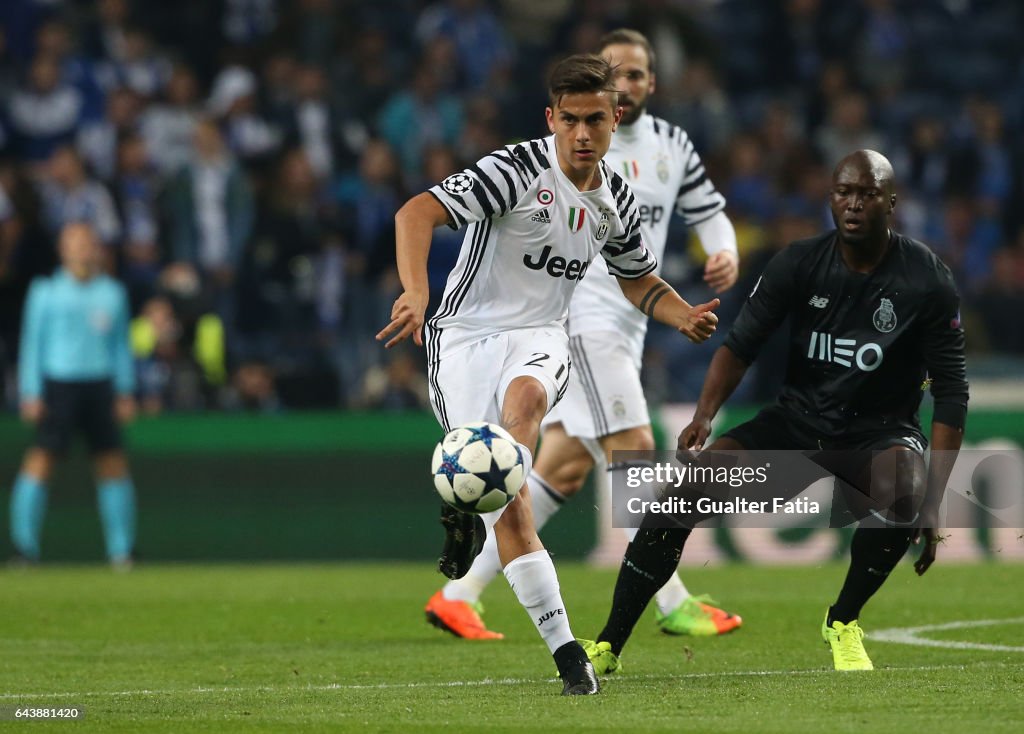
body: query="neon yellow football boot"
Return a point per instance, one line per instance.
(601, 656)
(847, 643)
(698, 616)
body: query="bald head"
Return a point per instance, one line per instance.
(869, 162)
(862, 199)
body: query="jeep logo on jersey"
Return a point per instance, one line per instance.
(556, 267)
(884, 317)
(458, 184)
(652, 214)
(868, 357)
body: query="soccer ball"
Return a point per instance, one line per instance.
(478, 468)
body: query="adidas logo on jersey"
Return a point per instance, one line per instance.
(818, 302)
(542, 216)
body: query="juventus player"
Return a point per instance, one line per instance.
(893, 307)
(538, 213)
(604, 408)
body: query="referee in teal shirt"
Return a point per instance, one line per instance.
(76, 375)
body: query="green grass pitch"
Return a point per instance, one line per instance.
(275, 648)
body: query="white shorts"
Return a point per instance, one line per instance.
(604, 394)
(469, 385)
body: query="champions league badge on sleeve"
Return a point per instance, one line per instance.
(458, 184)
(884, 317)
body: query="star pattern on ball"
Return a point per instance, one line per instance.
(450, 466)
(483, 433)
(494, 478)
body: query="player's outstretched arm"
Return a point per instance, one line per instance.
(414, 226)
(724, 374)
(659, 300)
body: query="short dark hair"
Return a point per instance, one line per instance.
(581, 74)
(630, 37)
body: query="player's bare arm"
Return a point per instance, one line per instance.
(414, 226)
(724, 374)
(946, 442)
(658, 300)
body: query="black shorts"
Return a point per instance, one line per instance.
(848, 458)
(775, 428)
(85, 407)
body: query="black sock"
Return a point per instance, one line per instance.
(649, 562)
(874, 552)
(568, 656)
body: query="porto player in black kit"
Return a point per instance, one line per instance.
(875, 317)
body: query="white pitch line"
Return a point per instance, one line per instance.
(200, 690)
(911, 635)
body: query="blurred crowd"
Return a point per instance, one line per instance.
(242, 160)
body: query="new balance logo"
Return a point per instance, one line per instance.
(542, 216)
(914, 443)
(818, 302)
(827, 348)
(548, 615)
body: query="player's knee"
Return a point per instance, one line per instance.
(569, 477)
(525, 399)
(111, 465)
(638, 438)
(899, 486)
(38, 464)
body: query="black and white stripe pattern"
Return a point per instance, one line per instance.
(562, 374)
(630, 240)
(586, 375)
(697, 198)
(478, 238)
(499, 180)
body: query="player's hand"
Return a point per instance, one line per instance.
(407, 316)
(927, 532)
(32, 411)
(693, 436)
(124, 408)
(700, 322)
(722, 270)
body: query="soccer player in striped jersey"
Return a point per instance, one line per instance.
(537, 213)
(604, 408)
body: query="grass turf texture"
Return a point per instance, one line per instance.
(345, 648)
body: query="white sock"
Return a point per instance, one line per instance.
(527, 459)
(671, 595)
(482, 572)
(533, 579)
(544, 499)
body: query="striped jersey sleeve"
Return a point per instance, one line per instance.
(491, 187)
(697, 198)
(625, 252)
